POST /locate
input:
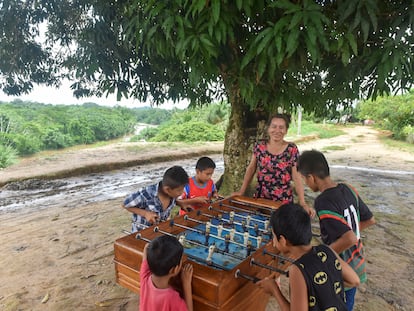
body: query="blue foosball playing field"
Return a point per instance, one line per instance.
(225, 241)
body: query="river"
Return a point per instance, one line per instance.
(36, 194)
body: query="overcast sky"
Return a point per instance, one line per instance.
(63, 96)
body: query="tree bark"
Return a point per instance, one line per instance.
(244, 128)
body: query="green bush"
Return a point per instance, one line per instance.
(147, 133)
(8, 156)
(408, 132)
(189, 132)
(393, 113)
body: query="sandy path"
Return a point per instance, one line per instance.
(61, 258)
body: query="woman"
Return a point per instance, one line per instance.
(275, 161)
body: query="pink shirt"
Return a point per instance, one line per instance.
(156, 299)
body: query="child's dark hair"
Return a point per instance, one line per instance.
(284, 116)
(204, 163)
(175, 177)
(293, 222)
(313, 162)
(163, 253)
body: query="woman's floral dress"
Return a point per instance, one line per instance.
(274, 172)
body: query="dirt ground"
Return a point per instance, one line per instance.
(61, 258)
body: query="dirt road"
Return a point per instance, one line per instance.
(60, 257)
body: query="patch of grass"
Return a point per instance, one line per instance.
(320, 130)
(398, 144)
(334, 147)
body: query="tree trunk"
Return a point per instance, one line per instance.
(242, 131)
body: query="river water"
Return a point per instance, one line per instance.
(378, 188)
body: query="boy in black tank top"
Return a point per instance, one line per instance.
(317, 275)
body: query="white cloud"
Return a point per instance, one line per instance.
(64, 96)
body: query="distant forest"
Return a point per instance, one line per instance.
(29, 127)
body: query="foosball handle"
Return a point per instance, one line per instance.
(238, 274)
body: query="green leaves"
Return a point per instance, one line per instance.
(262, 52)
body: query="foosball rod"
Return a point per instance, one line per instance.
(280, 271)
(186, 217)
(270, 209)
(238, 274)
(240, 209)
(238, 215)
(244, 225)
(172, 223)
(138, 236)
(265, 252)
(208, 263)
(216, 250)
(235, 222)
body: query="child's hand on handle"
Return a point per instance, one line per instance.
(186, 277)
(187, 274)
(269, 285)
(151, 217)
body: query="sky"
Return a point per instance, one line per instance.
(63, 96)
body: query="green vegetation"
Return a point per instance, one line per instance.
(309, 127)
(154, 116)
(8, 156)
(393, 113)
(400, 145)
(27, 128)
(207, 123)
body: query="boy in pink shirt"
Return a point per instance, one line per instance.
(162, 260)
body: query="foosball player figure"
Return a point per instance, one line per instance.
(226, 242)
(207, 236)
(249, 248)
(256, 229)
(244, 226)
(211, 249)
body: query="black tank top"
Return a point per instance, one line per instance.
(323, 276)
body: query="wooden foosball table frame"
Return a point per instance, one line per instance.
(213, 289)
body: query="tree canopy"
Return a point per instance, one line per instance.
(269, 53)
(258, 54)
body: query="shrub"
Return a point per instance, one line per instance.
(8, 156)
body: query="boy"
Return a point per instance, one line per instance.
(317, 275)
(341, 212)
(153, 203)
(162, 260)
(200, 188)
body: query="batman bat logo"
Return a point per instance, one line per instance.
(322, 256)
(320, 278)
(338, 265)
(312, 301)
(337, 287)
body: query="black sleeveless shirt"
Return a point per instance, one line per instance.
(323, 276)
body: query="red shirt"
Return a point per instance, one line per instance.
(156, 299)
(193, 190)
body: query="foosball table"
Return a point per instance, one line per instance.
(229, 245)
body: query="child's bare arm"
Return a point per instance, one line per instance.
(144, 253)
(344, 242)
(351, 278)
(367, 223)
(186, 277)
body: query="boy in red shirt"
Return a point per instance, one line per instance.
(162, 260)
(200, 188)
